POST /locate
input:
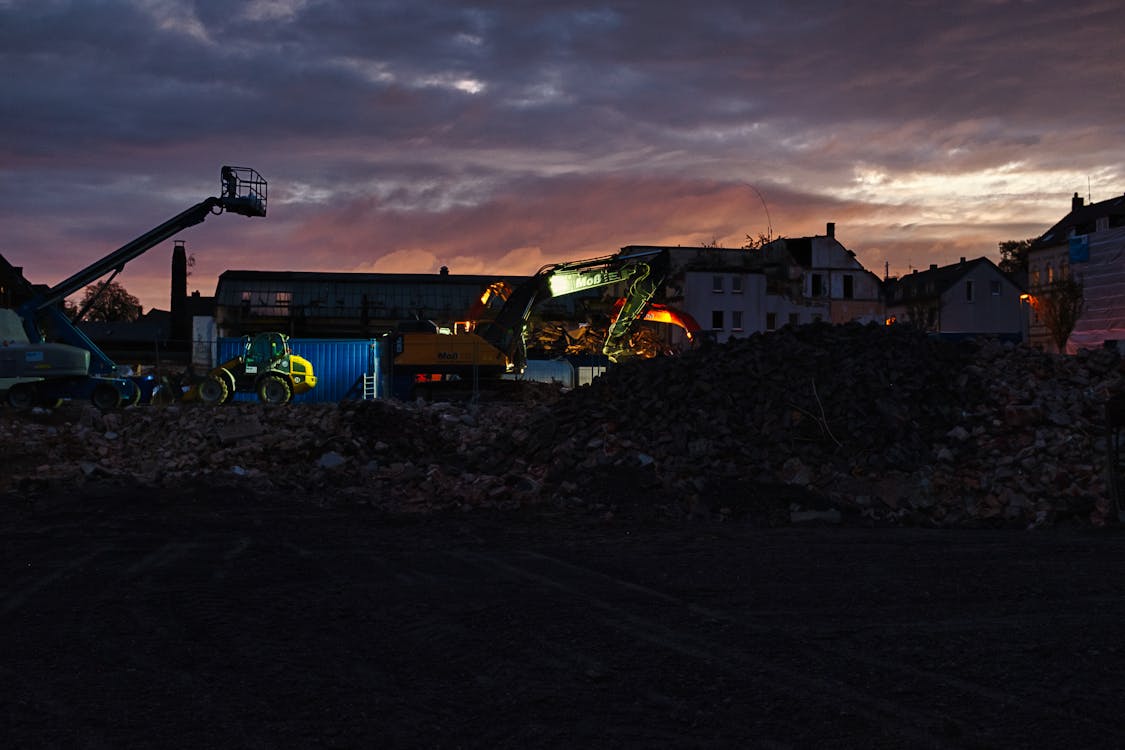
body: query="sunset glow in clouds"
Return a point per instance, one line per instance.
(495, 137)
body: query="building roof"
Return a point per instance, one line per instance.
(1083, 219)
(151, 327)
(935, 281)
(321, 277)
(14, 285)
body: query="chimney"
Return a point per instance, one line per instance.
(933, 266)
(1076, 202)
(181, 324)
(831, 229)
(962, 260)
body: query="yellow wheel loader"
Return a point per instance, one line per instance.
(266, 367)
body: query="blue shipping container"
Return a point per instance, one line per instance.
(339, 364)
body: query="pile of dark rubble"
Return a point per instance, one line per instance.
(881, 423)
(822, 423)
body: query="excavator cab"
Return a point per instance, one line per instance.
(243, 191)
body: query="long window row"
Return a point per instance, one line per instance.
(718, 320)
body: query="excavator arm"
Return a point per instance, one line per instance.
(643, 273)
(658, 313)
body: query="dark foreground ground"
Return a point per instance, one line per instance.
(207, 620)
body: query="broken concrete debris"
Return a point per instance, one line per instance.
(820, 424)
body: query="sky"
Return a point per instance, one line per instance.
(400, 136)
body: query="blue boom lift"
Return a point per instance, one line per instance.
(75, 367)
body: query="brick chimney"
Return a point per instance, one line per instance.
(831, 230)
(181, 323)
(1076, 202)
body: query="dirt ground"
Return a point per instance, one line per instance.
(210, 618)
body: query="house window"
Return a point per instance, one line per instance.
(771, 321)
(794, 319)
(717, 320)
(817, 285)
(282, 299)
(849, 286)
(736, 284)
(717, 284)
(994, 288)
(736, 320)
(1050, 274)
(968, 291)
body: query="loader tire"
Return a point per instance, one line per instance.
(273, 389)
(21, 396)
(214, 390)
(105, 397)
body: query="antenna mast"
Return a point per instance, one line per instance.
(769, 224)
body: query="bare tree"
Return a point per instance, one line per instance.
(1059, 305)
(923, 316)
(109, 302)
(756, 243)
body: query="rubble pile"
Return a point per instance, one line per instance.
(883, 425)
(399, 456)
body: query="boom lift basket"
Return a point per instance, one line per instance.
(244, 191)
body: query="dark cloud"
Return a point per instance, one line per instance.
(400, 130)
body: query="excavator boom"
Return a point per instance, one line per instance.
(643, 272)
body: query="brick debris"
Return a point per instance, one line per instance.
(819, 423)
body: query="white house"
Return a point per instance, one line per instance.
(966, 298)
(1089, 242)
(831, 277)
(737, 292)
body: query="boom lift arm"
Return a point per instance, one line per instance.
(243, 192)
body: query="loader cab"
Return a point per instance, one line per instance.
(264, 350)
